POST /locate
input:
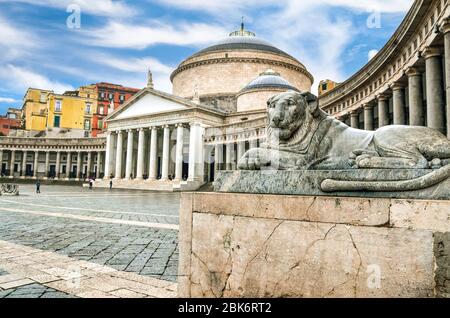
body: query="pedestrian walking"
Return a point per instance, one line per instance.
(91, 183)
(110, 184)
(38, 186)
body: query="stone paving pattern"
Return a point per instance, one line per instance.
(146, 251)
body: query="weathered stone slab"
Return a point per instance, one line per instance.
(247, 257)
(356, 211)
(248, 245)
(307, 182)
(421, 214)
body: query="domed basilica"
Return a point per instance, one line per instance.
(216, 112)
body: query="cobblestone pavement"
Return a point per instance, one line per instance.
(137, 235)
(36, 273)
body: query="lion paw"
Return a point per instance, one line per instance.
(363, 161)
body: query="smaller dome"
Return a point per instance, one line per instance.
(269, 79)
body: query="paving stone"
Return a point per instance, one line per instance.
(16, 283)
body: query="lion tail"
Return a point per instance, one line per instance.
(426, 181)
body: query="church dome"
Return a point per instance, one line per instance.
(269, 79)
(255, 94)
(221, 71)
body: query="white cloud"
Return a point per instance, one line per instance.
(127, 35)
(93, 7)
(18, 80)
(7, 100)
(372, 54)
(14, 42)
(139, 66)
(218, 6)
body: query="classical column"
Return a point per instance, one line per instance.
(398, 92)
(89, 165)
(35, 165)
(435, 92)
(253, 143)
(1, 161)
(166, 154)
(58, 164)
(119, 155)
(416, 117)
(383, 110)
(368, 117)
(196, 153)
(229, 155)
(99, 164)
(179, 154)
(446, 30)
(129, 161)
(153, 154)
(240, 150)
(23, 171)
(68, 165)
(47, 164)
(354, 119)
(79, 172)
(140, 155)
(218, 157)
(108, 155)
(11, 164)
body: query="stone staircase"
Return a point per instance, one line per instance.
(157, 185)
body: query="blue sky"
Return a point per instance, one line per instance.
(119, 40)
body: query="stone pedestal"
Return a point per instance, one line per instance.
(253, 245)
(310, 182)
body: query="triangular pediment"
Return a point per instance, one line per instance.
(149, 102)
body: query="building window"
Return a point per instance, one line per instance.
(100, 124)
(100, 110)
(58, 105)
(87, 124)
(324, 86)
(101, 95)
(110, 96)
(122, 98)
(86, 134)
(88, 108)
(57, 121)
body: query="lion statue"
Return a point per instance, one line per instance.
(300, 136)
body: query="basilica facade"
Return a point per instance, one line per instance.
(216, 112)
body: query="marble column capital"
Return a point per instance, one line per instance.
(368, 106)
(397, 86)
(413, 71)
(445, 27)
(355, 112)
(431, 51)
(382, 97)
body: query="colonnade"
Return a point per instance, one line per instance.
(156, 153)
(56, 164)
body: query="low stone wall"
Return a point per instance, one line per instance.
(249, 245)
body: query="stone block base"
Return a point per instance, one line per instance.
(248, 245)
(308, 182)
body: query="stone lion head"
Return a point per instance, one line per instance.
(288, 111)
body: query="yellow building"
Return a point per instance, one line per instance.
(69, 113)
(326, 85)
(34, 109)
